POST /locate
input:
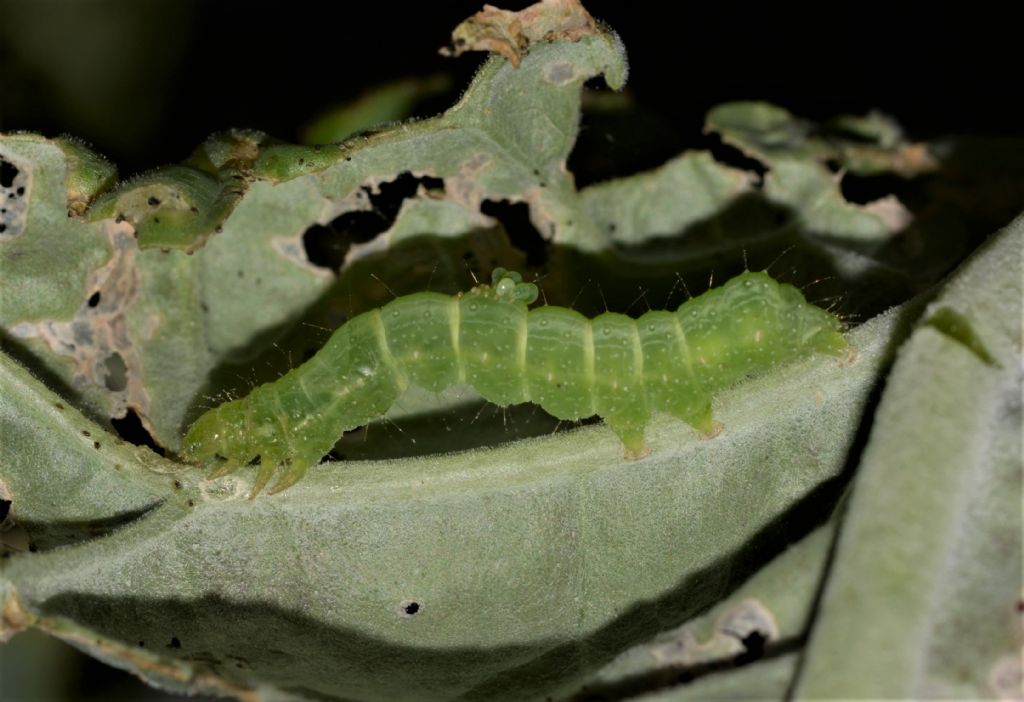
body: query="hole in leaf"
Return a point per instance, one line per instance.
(731, 156)
(8, 172)
(753, 647)
(5, 508)
(515, 218)
(326, 245)
(410, 608)
(131, 430)
(116, 375)
(94, 299)
(175, 643)
(864, 189)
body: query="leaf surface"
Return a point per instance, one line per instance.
(544, 561)
(924, 597)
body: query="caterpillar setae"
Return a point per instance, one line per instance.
(619, 368)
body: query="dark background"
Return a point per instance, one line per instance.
(145, 81)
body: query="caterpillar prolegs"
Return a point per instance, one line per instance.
(619, 368)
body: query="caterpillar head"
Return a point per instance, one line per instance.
(777, 316)
(823, 332)
(820, 331)
(213, 433)
(507, 286)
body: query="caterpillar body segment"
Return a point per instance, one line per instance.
(613, 366)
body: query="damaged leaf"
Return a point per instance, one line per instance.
(145, 329)
(662, 202)
(865, 145)
(766, 616)
(181, 206)
(811, 191)
(511, 33)
(129, 329)
(797, 153)
(288, 592)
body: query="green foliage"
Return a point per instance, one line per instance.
(463, 553)
(927, 576)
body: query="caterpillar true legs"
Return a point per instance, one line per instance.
(618, 368)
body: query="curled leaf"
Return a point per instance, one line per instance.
(511, 33)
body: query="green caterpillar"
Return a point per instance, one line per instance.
(613, 366)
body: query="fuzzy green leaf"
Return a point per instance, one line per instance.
(540, 563)
(767, 615)
(924, 597)
(122, 327)
(135, 323)
(66, 478)
(866, 145)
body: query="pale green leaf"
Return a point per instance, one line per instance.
(869, 144)
(66, 478)
(924, 597)
(143, 326)
(537, 560)
(810, 190)
(765, 680)
(767, 615)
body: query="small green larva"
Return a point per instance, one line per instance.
(613, 366)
